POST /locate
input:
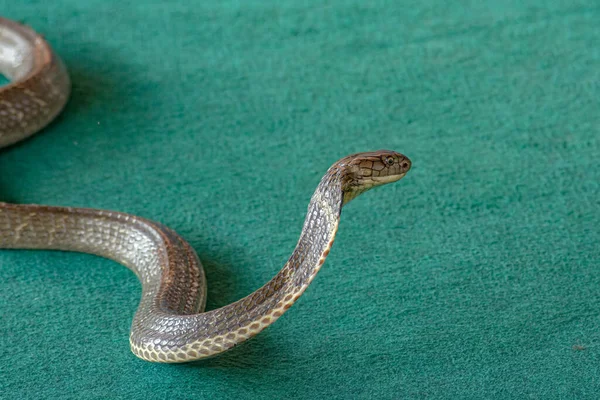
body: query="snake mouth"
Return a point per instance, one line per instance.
(387, 179)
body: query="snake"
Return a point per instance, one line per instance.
(170, 324)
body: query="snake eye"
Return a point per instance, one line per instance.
(389, 160)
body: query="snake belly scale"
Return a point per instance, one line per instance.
(170, 324)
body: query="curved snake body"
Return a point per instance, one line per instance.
(170, 324)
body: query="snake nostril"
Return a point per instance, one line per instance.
(404, 165)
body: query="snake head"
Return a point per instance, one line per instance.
(363, 171)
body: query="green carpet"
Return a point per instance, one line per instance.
(477, 276)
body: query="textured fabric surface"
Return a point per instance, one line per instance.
(477, 276)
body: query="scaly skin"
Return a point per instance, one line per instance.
(170, 324)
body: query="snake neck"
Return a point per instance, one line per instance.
(317, 236)
(313, 246)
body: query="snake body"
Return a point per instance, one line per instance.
(170, 324)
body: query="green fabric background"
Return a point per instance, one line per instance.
(477, 276)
